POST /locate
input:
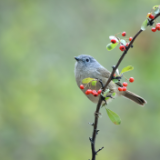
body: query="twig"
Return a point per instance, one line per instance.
(94, 152)
(99, 150)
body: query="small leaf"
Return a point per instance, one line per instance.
(144, 25)
(113, 117)
(113, 37)
(123, 42)
(94, 83)
(126, 69)
(155, 6)
(111, 46)
(115, 80)
(113, 94)
(156, 9)
(87, 80)
(105, 93)
(107, 98)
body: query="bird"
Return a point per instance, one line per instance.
(86, 66)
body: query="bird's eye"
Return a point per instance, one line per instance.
(87, 60)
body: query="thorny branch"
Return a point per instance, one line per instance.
(92, 140)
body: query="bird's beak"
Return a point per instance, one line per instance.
(76, 58)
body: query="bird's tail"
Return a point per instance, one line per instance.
(139, 100)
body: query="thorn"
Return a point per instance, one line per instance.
(110, 96)
(117, 77)
(92, 124)
(97, 131)
(113, 66)
(105, 103)
(132, 46)
(90, 139)
(99, 150)
(100, 81)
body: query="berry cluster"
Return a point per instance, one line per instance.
(96, 93)
(89, 91)
(122, 46)
(124, 88)
(157, 27)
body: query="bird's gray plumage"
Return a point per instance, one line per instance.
(86, 66)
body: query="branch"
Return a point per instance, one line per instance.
(94, 152)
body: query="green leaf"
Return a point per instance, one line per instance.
(94, 83)
(105, 93)
(155, 6)
(115, 80)
(113, 94)
(107, 98)
(113, 117)
(87, 80)
(111, 46)
(156, 9)
(123, 42)
(126, 69)
(144, 25)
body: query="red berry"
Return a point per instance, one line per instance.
(125, 84)
(151, 16)
(158, 26)
(89, 91)
(122, 48)
(120, 89)
(123, 34)
(130, 38)
(114, 75)
(131, 79)
(99, 91)
(154, 29)
(94, 93)
(86, 92)
(113, 41)
(124, 88)
(127, 44)
(81, 86)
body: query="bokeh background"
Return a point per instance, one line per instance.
(43, 114)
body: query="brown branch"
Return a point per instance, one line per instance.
(94, 152)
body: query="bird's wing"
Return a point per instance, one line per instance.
(105, 73)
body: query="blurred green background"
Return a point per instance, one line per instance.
(43, 114)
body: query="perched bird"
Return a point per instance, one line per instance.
(86, 66)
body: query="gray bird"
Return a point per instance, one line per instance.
(86, 66)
